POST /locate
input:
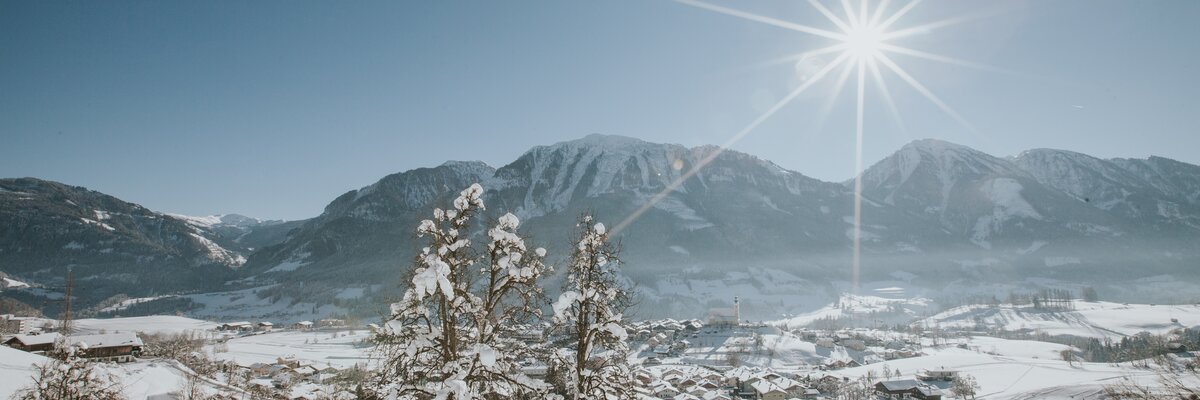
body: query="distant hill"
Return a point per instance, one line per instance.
(112, 246)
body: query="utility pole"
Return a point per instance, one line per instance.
(66, 319)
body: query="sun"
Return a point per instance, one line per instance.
(864, 42)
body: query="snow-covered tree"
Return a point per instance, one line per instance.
(451, 335)
(589, 312)
(964, 386)
(69, 376)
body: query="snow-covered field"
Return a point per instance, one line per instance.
(886, 305)
(157, 324)
(1014, 377)
(1088, 319)
(340, 349)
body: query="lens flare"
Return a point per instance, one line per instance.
(863, 38)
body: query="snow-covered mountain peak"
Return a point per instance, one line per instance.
(216, 220)
(473, 166)
(606, 141)
(928, 171)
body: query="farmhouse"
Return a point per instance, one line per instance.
(33, 343)
(937, 375)
(906, 389)
(241, 326)
(118, 347)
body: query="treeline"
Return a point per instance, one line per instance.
(1044, 299)
(1142, 347)
(163, 306)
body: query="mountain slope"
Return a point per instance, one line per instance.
(1152, 193)
(981, 198)
(115, 246)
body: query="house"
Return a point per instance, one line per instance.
(906, 389)
(793, 387)
(332, 322)
(664, 391)
(265, 326)
(284, 378)
(716, 395)
(825, 342)
(118, 347)
(33, 343)
(303, 326)
(260, 369)
(23, 325)
(767, 390)
(240, 326)
(854, 344)
(289, 361)
(937, 375)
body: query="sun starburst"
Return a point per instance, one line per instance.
(863, 39)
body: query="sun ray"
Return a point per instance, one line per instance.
(879, 12)
(886, 94)
(926, 92)
(849, 9)
(862, 13)
(940, 58)
(763, 19)
(899, 13)
(734, 139)
(827, 108)
(830, 15)
(797, 57)
(858, 166)
(929, 27)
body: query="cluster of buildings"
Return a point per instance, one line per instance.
(691, 382)
(267, 326)
(873, 346)
(288, 371)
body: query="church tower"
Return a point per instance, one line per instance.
(737, 311)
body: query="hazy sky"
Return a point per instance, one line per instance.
(272, 109)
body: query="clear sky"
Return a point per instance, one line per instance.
(272, 109)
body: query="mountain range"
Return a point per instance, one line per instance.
(934, 214)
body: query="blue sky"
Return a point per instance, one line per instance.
(272, 109)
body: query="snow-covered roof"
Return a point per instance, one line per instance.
(764, 386)
(902, 384)
(106, 340)
(33, 340)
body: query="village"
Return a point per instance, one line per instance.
(722, 357)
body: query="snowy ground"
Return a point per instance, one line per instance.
(1089, 319)
(320, 348)
(157, 324)
(15, 369)
(886, 305)
(1010, 377)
